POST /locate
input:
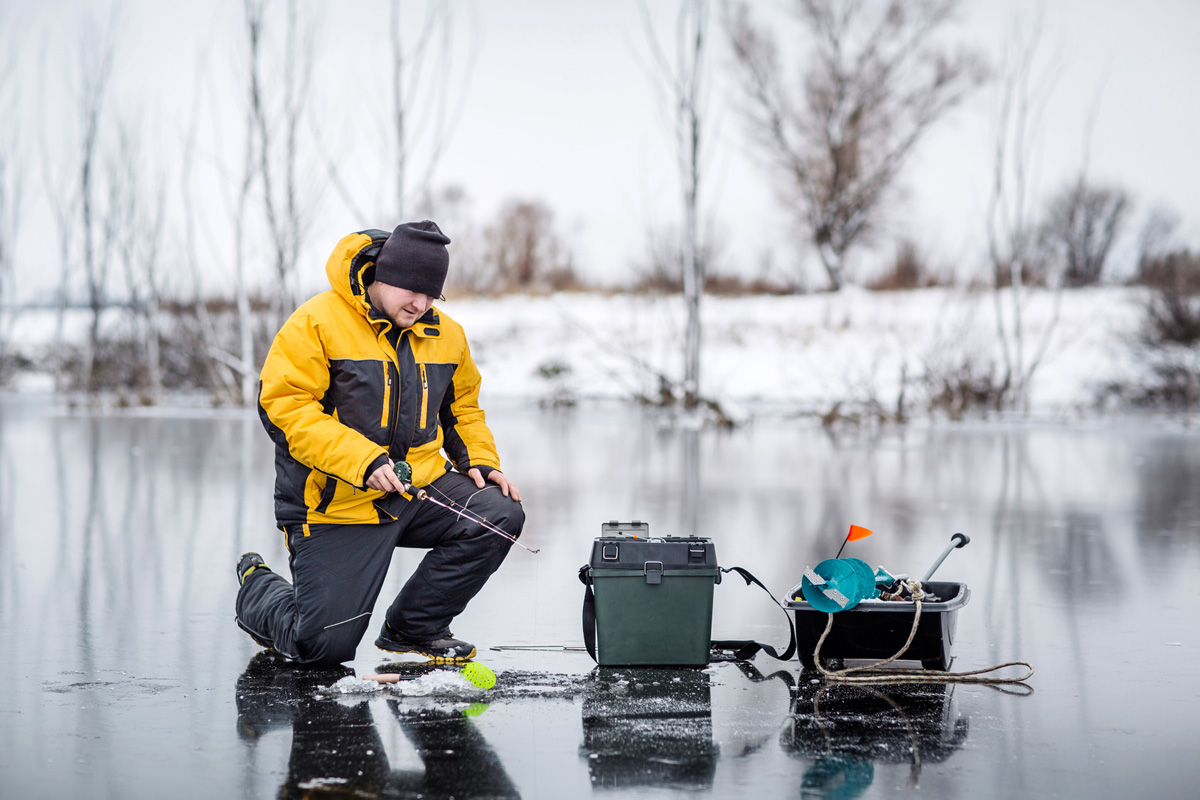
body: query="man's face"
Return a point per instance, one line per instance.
(402, 306)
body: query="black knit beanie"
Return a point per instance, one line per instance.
(414, 257)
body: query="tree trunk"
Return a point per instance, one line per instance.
(832, 261)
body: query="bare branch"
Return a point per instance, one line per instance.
(876, 83)
(1012, 235)
(423, 109)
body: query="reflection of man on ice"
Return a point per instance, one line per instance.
(337, 747)
(360, 377)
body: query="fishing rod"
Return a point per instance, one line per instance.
(403, 471)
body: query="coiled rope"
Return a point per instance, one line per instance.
(872, 673)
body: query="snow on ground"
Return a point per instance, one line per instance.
(802, 352)
(805, 351)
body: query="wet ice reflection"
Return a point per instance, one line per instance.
(649, 728)
(122, 666)
(841, 732)
(336, 746)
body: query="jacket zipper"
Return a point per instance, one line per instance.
(387, 395)
(424, 398)
(393, 405)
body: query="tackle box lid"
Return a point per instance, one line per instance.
(628, 545)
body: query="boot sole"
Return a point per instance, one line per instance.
(430, 657)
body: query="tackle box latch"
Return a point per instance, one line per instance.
(653, 576)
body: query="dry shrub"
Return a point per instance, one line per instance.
(10, 365)
(1173, 383)
(1080, 225)
(909, 270)
(1173, 310)
(526, 250)
(1168, 343)
(735, 285)
(716, 285)
(965, 386)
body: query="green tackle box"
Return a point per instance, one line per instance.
(653, 598)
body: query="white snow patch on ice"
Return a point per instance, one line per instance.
(438, 683)
(354, 685)
(322, 783)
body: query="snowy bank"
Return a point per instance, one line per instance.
(806, 352)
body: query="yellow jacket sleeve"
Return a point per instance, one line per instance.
(294, 380)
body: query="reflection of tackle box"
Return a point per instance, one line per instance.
(652, 597)
(652, 732)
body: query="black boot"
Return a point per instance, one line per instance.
(446, 650)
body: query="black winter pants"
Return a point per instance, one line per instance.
(337, 572)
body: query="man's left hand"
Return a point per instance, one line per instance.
(497, 477)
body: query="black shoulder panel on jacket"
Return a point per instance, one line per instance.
(358, 281)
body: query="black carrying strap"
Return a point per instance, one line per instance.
(745, 650)
(741, 650)
(589, 611)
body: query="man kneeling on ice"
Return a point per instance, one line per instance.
(361, 377)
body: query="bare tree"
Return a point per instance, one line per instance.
(278, 99)
(1082, 222)
(683, 83)
(426, 90)
(277, 112)
(451, 206)
(661, 265)
(58, 183)
(527, 253)
(229, 378)
(95, 65)
(1157, 237)
(138, 211)
(877, 81)
(11, 192)
(244, 363)
(1011, 230)
(424, 109)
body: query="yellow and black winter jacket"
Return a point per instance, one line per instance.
(342, 389)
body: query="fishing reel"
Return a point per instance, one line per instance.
(404, 472)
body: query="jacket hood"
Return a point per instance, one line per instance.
(351, 265)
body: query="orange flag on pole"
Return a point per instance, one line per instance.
(856, 532)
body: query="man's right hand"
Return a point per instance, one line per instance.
(384, 479)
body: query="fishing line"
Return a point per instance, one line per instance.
(463, 513)
(404, 472)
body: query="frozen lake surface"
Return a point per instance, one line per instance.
(123, 674)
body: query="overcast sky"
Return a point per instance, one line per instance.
(558, 108)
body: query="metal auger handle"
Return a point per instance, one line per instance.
(956, 541)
